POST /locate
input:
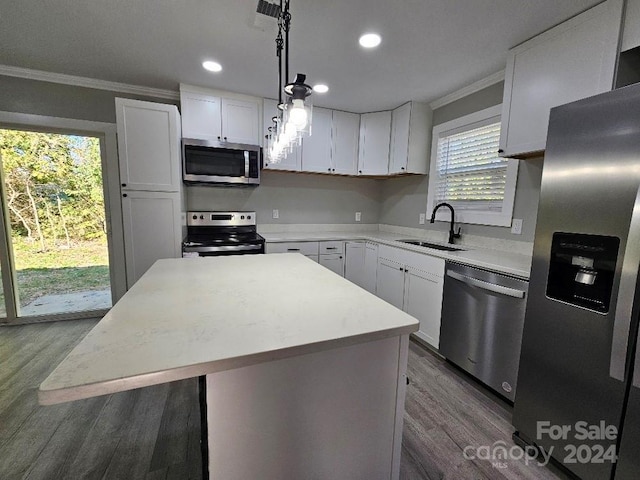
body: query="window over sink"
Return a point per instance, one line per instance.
(467, 172)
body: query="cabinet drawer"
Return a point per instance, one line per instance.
(331, 247)
(305, 248)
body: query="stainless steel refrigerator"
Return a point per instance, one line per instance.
(579, 376)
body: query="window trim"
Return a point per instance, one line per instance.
(468, 122)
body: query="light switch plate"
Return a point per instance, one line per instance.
(276, 214)
(358, 216)
(422, 217)
(516, 226)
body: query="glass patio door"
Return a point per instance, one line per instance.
(56, 261)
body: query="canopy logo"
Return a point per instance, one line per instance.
(499, 453)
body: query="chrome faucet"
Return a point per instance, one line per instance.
(452, 235)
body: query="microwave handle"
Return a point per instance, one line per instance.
(246, 164)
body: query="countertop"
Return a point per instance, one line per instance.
(509, 263)
(193, 316)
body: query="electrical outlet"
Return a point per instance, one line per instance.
(276, 214)
(516, 226)
(422, 218)
(358, 216)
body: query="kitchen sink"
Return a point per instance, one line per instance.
(437, 246)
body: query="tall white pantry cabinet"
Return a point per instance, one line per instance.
(151, 187)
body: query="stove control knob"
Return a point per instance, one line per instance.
(241, 217)
(201, 217)
(248, 217)
(195, 217)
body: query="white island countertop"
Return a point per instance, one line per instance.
(194, 316)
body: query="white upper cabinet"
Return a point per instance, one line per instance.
(213, 117)
(293, 161)
(316, 149)
(574, 60)
(240, 121)
(344, 134)
(410, 139)
(631, 31)
(148, 145)
(373, 154)
(201, 117)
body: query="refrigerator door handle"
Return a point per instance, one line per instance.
(492, 287)
(626, 292)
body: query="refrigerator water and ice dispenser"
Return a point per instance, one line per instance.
(582, 269)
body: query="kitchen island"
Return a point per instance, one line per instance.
(304, 371)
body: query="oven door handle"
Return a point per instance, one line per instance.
(224, 248)
(492, 287)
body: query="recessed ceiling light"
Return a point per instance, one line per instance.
(370, 40)
(212, 66)
(320, 88)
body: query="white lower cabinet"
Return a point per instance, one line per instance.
(354, 253)
(390, 282)
(413, 282)
(334, 262)
(370, 266)
(331, 255)
(152, 230)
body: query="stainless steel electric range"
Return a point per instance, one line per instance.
(212, 234)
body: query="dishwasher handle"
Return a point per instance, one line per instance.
(492, 287)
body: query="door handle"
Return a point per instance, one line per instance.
(626, 292)
(491, 287)
(246, 164)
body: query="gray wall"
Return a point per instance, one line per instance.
(67, 101)
(404, 198)
(300, 198)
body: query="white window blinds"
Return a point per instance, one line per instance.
(470, 175)
(467, 172)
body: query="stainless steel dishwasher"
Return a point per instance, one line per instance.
(482, 322)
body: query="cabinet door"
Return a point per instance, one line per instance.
(293, 161)
(572, 61)
(375, 132)
(423, 300)
(370, 267)
(151, 230)
(390, 282)
(354, 263)
(399, 150)
(148, 145)
(240, 121)
(344, 136)
(201, 116)
(316, 149)
(334, 262)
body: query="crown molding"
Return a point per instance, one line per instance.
(10, 71)
(468, 90)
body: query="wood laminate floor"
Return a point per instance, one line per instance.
(153, 433)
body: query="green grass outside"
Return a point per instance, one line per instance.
(82, 267)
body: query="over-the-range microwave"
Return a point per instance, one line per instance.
(220, 162)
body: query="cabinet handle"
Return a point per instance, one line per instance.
(500, 150)
(293, 249)
(124, 195)
(124, 184)
(401, 269)
(328, 169)
(225, 138)
(333, 170)
(218, 138)
(340, 257)
(401, 168)
(332, 248)
(359, 171)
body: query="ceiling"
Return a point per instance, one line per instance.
(429, 47)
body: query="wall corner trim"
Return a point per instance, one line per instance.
(19, 72)
(468, 90)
